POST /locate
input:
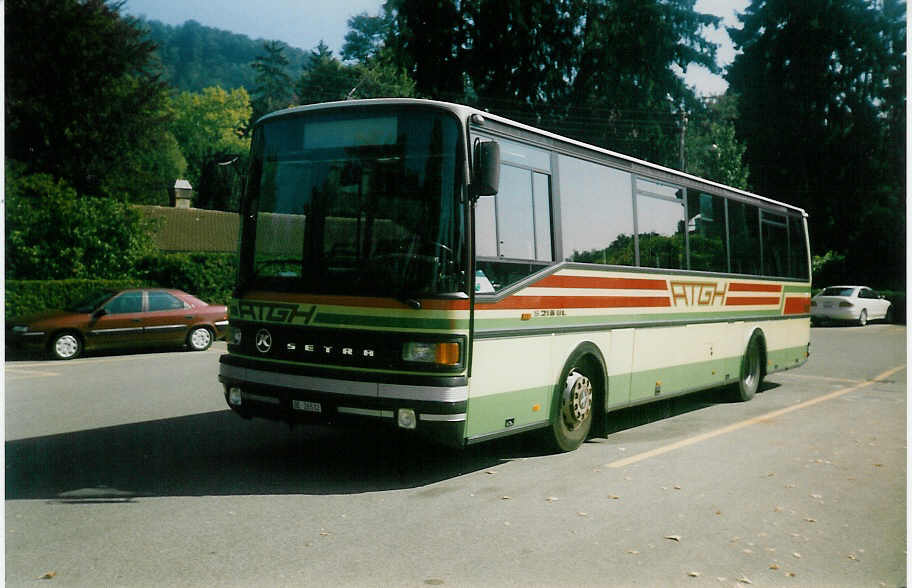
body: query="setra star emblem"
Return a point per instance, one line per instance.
(263, 341)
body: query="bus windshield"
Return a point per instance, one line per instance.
(355, 202)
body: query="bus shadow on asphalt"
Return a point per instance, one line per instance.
(636, 416)
(219, 454)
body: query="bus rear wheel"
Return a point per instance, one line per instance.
(751, 373)
(573, 419)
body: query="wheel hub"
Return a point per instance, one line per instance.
(577, 402)
(66, 346)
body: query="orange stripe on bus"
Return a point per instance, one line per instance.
(742, 287)
(537, 302)
(797, 305)
(750, 301)
(555, 281)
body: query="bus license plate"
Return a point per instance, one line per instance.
(306, 406)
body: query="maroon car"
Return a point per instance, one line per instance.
(127, 318)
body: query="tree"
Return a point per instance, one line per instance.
(84, 100)
(607, 72)
(194, 56)
(54, 233)
(712, 148)
(273, 89)
(366, 36)
(821, 94)
(328, 79)
(625, 92)
(427, 40)
(210, 126)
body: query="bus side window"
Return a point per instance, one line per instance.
(744, 237)
(513, 236)
(774, 238)
(486, 227)
(660, 225)
(798, 267)
(706, 232)
(596, 212)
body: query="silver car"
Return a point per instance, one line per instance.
(857, 304)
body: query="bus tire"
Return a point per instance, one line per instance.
(751, 371)
(575, 403)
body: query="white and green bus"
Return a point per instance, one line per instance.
(466, 277)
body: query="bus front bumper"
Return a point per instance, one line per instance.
(437, 412)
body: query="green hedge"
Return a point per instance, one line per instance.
(209, 276)
(28, 296)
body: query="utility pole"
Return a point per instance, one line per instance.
(683, 132)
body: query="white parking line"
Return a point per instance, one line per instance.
(18, 373)
(752, 421)
(827, 378)
(93, 360)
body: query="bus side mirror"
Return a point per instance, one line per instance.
(486, 166)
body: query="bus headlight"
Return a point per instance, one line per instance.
(438, 353)
(236, 335)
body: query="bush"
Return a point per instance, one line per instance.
(29, 296)
(54, 233)
(209, 276)
(897, 305)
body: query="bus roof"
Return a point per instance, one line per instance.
(464, 112)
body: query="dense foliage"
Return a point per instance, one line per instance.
(84, 99)
(195, 57)
(23, 297)
(54, 233)
(329, 79)
(815, 114)
(210, 125)
(821, 87)
(603, 72)
(273, 88)
(209, 276)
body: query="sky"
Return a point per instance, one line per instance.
(304, 23)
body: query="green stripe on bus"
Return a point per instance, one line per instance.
(380, 321)
(492, 414)
(783, 359)
(343, 368)
(500, 412)
(617, 321)
(797, 289)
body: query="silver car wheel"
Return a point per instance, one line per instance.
(200, 339)
(66, 346)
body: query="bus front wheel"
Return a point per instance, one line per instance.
(572, 420)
